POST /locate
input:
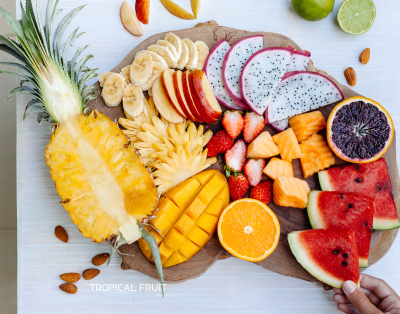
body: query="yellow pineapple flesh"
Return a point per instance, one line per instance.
(102, 182)
(278, 168)
(290, 192)
(200, 200)
(307, 124)
(315, 155)
(287, 143)
(262, 147)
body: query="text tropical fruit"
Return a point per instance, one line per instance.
(290, 192)
(287, 144)
(187, 217)
(306, 124)
(249, 229)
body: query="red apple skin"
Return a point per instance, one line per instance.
(197, 77)
(174, 104)
(188, 96)
(178, 93)
(207, 118)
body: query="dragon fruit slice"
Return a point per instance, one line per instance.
(299, 92)
(280, 125)
(213, 70)
(261, 76)
(233, 64)
(300, 60)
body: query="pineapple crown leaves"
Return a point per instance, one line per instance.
(43, 59)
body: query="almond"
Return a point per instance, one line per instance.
(125, 266)
(100, 259)
(61, 233)
(350, 76)
(70, 277)
(90, 273)
(69, 288)
(365, 55)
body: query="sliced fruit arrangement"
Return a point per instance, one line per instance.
(290, 192)
(187, 217)
(328, 210)
(249, 230)
(359, 130)
(329, 255)
(370, 179)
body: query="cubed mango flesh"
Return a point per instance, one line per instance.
(206, 195)
(189, 249)
(195, 208)
(168, 208)
(165, 252)
(204, 176)
(198, 236)
(161, 223)
(184, 224)
(215, 208)
(174, 259)
(174, 239)
(208, 223)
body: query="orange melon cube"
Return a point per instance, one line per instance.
(262, 147)
(198, 236)
(175, 258)
(287, 143)
(195, 208)
(278, 168)
(174, 239)
(307, 124)
(290, 192)
(188, 249)
(184, 224)
(208, 223)
(315, 155)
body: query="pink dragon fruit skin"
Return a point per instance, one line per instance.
(261, 76)
(280, 125)
(213, 70)
(300, 60)
(300, 92)
(233, 64)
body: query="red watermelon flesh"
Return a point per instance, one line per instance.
(371, 179)
(329, 210)
(329, 255)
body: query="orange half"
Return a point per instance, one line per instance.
(249, 230)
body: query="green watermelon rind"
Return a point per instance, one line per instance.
(324, 181)
(300, 253)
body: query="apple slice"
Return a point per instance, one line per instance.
(209, 106)
(162, 103)
(168, 85)
(190, 100)
(177, 79)
(142, 8)
(129, 20)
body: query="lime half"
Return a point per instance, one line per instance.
(356, 16)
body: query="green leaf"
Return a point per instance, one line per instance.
(14, 24)
(13, 53)
(87, 76)
(13, 46)
(22, 90)
(151, 241)
(50, 13)
(30, 79)
(43, 116)
(30, 109)
(68, 44)
(78, 52)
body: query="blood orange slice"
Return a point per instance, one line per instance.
(359, 130)
(249, 230)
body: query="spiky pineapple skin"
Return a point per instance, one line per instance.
(98, 176)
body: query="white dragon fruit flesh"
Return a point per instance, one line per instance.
(233, 64)
(300, 60)
(213, 70)
(280, 125)
(300, 92)
(261, 76)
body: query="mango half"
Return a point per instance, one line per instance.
(187, 217)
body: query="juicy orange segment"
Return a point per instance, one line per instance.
(249, 230)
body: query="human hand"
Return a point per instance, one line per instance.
(374, 297)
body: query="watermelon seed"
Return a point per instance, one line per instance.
(335, 252)
(372, 230)
(344, 263)
(345, 255)
(365, 223)
(350, 206)
(378, 188)
(358, 180)
(357, 167)
(341, 196)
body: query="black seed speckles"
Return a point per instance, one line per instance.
(365, 223)
(358, 180)
(349, 205)
(344, 263)
(341, 196)
(336, 252)
(378, 188)
(345, 255)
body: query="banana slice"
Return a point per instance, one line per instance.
(141, 69)
(155, 56)
(165, 53)
(176, 41)
(132, 101)
(170, 46)
(157, 70)
(184, 56)
(125, 73)
(103, 77)
(150, 92)
(113, 89)
(203, 52)
(193, 54)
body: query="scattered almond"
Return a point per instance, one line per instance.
(350, 76)
(100, 259)
(69, 288)
(70, 277)
(125, 266)
(90, 273)
(61, 233)
(365, 55)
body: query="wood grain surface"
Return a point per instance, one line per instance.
(281, 260)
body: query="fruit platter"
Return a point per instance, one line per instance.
(291, 219)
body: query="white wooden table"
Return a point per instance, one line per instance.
(231, 285)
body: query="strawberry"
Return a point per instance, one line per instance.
(238, 186)
(235, 157)
(253, 170)
(262, 192)
(253, 126)
(233, 123)
(219, 143)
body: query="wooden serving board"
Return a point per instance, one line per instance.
(281, 260)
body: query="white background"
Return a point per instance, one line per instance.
(232, 285)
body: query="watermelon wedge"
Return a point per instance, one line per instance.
(336, 210)
(329, 255)
(371, 179)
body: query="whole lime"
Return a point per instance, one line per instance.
(313, 10)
